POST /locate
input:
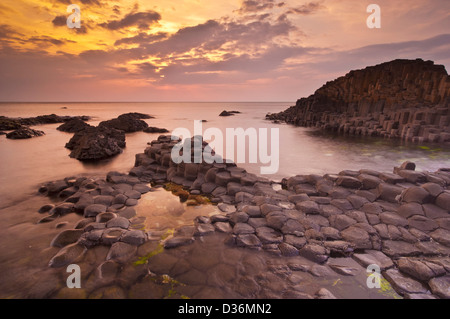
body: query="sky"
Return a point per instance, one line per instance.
(205, 50)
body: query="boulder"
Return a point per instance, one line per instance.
(95, 143)
(24, 133)
(73, 126)
(127, 123)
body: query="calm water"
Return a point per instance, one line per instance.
(25, 164)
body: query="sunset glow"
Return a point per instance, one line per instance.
(239, 50)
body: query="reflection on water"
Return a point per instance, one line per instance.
(165, 211)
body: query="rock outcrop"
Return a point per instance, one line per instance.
(95, 143)
(73, 126)
(407, 99)
(24, 133)
(130, 122)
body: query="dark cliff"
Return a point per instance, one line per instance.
(408, 99)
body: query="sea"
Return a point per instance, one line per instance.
(26, 164)
(25, 244)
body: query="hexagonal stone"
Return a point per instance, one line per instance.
(177, 242)
(111, 235)
(442, 236)
(94, 209)
(243, 228)
(104, 200)
(443, 201)
(62, 209)
(348, 182)
(288, 250)
(440, 286)
(342, 204)
(403, 284)
(268, 235)
(204, 229)
(422, 223)
(376, 257)
(66, 237)
(409, 209)
(390, 218)
(133, 194)
(104, 217)
(389, 192)
(415, 194)
(308, 207)
(415, 268)
(314, 252)
(357, 236)
(118, 222)
(433, 211)
(248, 240)
(223, 227)
(394, 248)
(134, 237)
(341, 222)
(345, 266)
(121, 252)
(67, 255)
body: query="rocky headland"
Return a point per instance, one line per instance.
(404, 99)
(327, 226)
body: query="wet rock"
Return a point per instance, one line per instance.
(288, 250)
(374, 257)
(66, 237)
(94, 209)
(131, 202)
(342, 204)
(441, 236)
(403, 284)
(121, 252)
(268, 235)
(308, 207)
(412, 176)
(84, 201)
(324, 294)
(133, 237)
(391, 178)
(126, 122)
(389, 192)
(433, 211)
(395, 249)
(63, 209)
(46, 208)
(177, 242)
(223, 227)
(104, 217)
(443, 201)
(248, 240)
(133, 194)
(238, 217)
(357, 236)
(415, 269)
(243, 228)
(314, 252)
(390, 218)
(408, 166)
(433, 189)
(419, 296)
(349, 182)
(204, 229)
(369, 181)
(95, 143)
(128, 212)
(415, 194)
(103, 200)
(422, 223)
(341, 222)
(67, 255)
(111, 235)
(440, 286)
(409, 209)
(73, 126)
(24, 133)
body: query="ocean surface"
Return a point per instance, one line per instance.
(26, 164)
(25, 248)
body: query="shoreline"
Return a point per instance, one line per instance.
(340, 222)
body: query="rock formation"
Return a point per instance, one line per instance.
(407, 99)
(130, 122)
(73, 126)
(95, 143)
(23, 133)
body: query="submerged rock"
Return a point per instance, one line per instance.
(23, 133)
(127, 123)
(95, 143)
